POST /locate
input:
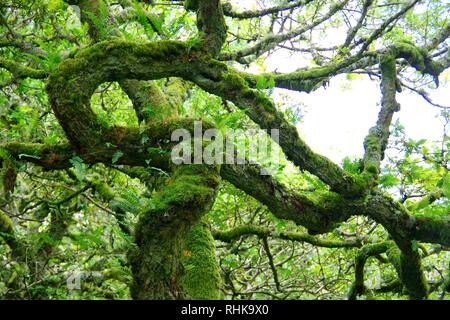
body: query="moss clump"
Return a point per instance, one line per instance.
(414, 55)
(6, 225)
(233, 82)
(8, 173)
(20, 71)
(372, 147)
(417, 57)
(176, 92)
(202, 278)
(388, 67)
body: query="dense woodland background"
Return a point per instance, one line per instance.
(91, 206)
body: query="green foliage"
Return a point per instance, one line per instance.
(99, 22)
(128, 200)
(116, 156)
(143, 19)
(79, 167)
(265, 83)
(351, 165)
(230, 120)
(388, 180)
(446, 185)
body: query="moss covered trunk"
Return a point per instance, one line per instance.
(156, 266)
(161, 232)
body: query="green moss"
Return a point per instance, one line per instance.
(233, 81)
(102, 188)
(162, 230)
(21, 71)
(370, 250)
(417, 57)
(321, 202)
(251, 230)
(240, 231)
(6, 225)
(71, 85)
(376, 141)
(414, 55)
(175, 90)
(202, 278)
(410, 271)
(388, 66)
(210, 24)
(148, 100)
(432, 228)
(191, 185)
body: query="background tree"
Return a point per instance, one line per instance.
(91, 91)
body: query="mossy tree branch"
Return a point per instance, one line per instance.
(309, 79)
(106, 61)
(249, 14)
(396, 220)
(370, 250)
(408, 264)
(376, 141)
(210, 24)
(108, 194)
(152, 104)
(6, 227)
(262, 232)
(319, 212)
(201, 278)
(70, 88)
(20, 71)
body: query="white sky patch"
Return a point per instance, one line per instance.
(244, 5)
(338, 118)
